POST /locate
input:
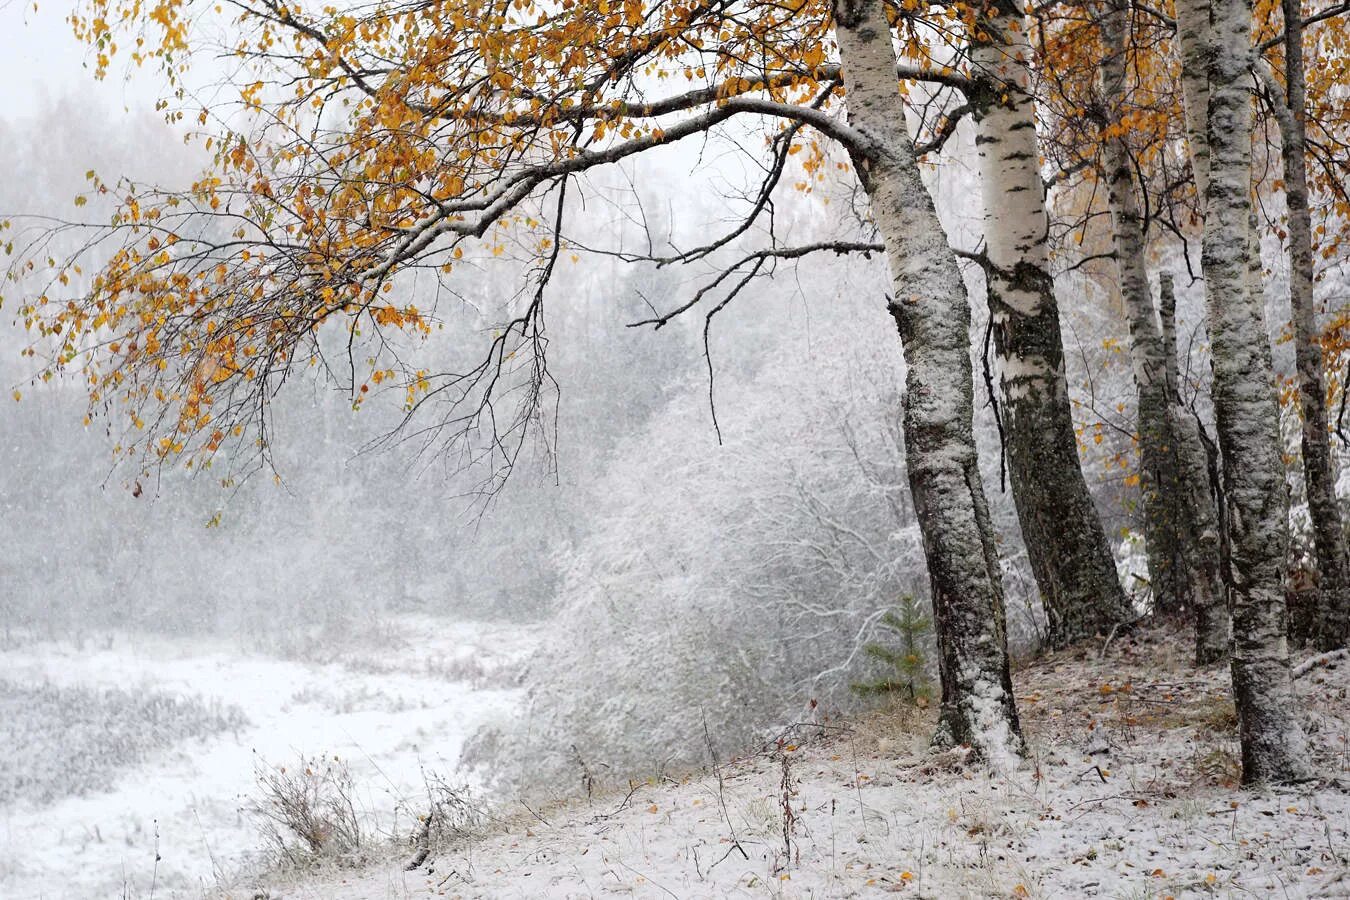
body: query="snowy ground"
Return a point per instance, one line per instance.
(390, 710)
(1129, 794)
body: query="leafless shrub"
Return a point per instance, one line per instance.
(787, 787)
(468, 669)
(308, 813)
(452, 814)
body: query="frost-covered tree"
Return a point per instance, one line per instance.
(1182, 525)
(1065, 541)
(1331, 620)
(375, 153)
(728, 586)
(1273, 744)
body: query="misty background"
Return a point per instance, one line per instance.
(644, 576)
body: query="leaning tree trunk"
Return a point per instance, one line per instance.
(1148, 356)
(1200, 526)
(1273, 744)
(1066, 544)
(932, 311)
(1332, 628)
(1181, 524)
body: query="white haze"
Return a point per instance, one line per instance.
(605, 589)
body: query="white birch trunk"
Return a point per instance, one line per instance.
(1273, 744)
(1065, 540)
(1193, 37)
(932, 312)
(1200, 525)
(1181, 521)
(1331, 625)
(1148, 355)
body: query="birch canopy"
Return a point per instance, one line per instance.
(363, 157)
(368, 141)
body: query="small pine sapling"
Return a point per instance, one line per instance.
(905, 661)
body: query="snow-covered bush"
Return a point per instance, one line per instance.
(728, 586)
(68, 741)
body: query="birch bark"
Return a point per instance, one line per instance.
(1273, 744)
(1192, 32)
(932, 312)
(1065, 540)
(1181, 520)
(1147, 350)
(1332, 629)
(1200, 529)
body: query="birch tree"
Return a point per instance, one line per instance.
(1198, 511)
(1182, 526)
(1273, 744)
(1219, 124)
(933, 315)
(390, 142)
(1065, 541)
(1332, 627)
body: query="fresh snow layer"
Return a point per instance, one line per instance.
(388, 712)
(1129, 792)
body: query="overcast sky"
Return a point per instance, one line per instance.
(40, 61)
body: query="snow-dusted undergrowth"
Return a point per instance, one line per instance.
(1129, 793)
(388, 711)
(63, 741)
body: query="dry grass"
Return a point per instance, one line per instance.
(1131, 791)
(308, 813)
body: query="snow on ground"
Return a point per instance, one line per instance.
(389, 711)
(1129, 793)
